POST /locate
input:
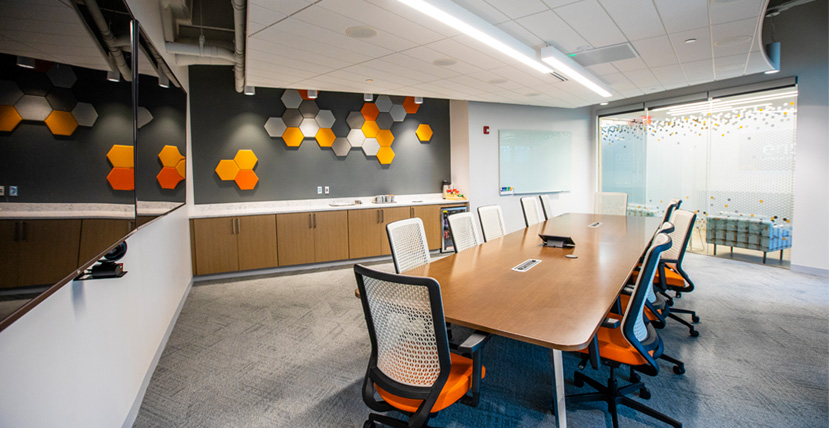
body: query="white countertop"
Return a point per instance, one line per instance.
(65, 210)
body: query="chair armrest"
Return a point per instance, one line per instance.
(473, 343)
(611, 322)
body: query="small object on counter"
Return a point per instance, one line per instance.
(358, 202)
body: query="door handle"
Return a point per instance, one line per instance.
(378, 216)
(315, 220)
(383, 213)
(233, 226)
(25, 231)
(17, 231)
(238, 225)
(310, 224)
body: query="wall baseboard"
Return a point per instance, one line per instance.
(810, 270)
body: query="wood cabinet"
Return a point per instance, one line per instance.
(367, 230)
(312, 237)
(430, 216)
(97, 234)
(228, 244)
(37, 252)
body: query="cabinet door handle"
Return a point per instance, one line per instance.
(383, 214)
(315, 220)
(16, 231)
(310, 223)
(378, 216)
(233, 226)
(25, 231)
(238, 225)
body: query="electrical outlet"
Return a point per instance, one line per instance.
(2, 190)
(12, 190)
(327, 190)
(319, 190)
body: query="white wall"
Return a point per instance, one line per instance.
(482, 159)
(81, 358)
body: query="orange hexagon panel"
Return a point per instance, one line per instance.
(121, 156)
(385, 138)
(424, 132)
(170, 156)
(369, 111)
(246, 179)
(181, 168)
(227, 169)
(245, 159)
(168, 178)
(9, 118)
(325, 137)
(370, 129)
(292, 137)
(385, 155)
(61, 123)
(122, 178)
(410, 105)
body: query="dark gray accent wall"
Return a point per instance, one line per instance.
(223, 122)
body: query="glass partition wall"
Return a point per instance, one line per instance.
(728, 158)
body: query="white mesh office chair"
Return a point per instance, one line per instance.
(529, 205)
(547, 206)
(464, 232)
(492, 222)
(611, 203)
(407, 240)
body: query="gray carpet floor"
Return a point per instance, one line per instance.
(290, 350)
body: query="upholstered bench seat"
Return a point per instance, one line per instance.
(752, 233)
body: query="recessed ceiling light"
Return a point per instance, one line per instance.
(534, 94)
(369, 80)
(602, 104)
(691, 40)
(497, 81)
(733, 41)
(360, 32)
(444, 62)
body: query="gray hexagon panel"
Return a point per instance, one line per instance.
(62, 99)
(398, 112)
(341, 146)
(34, 83)
(325, 119)
(309, 127)
(356, 137)
(62, 76)
(384, 121)
(144, 116)
(371, 147)
(309, 109)
(355, 120)
(292, 117)
(291, 98)
(33, 107)
(10, 93)
(275, 126)
(85, 114)
(383, 103)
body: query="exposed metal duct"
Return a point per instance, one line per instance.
(109, 39)
(201, 51)
(185, 60)
(239, 13)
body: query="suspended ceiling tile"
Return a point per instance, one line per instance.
(9, 118)
(122, 179)
(552, 29)
(411, 60)
(696, 51)
(656, 51)
(170, 156)
(469, 51)
(385, 155)
(518, 32)
(389, 36)
(10, 93)
(734, 10)
(618, 81)
(341, 147)
(733, 38)
(246, 179)
(606, 68)
(629, 64)
(393, 18)
(33, 107)
(168, 178)
(637, 19)
(682, 15)
(590, 20)
(730, 66)
(643, 79)
(699, 71)
(757, 63)
(370, 147)
(275, 126)
(670, 75)
(61, 123)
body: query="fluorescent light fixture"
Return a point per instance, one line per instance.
(163, 80)
(312, 94)
(603, 104)
(566, 66)
(418, 100)
(470, 24)
(773, 52)
(25, 62)
(368, 97)
(250, 90)
(113, 76)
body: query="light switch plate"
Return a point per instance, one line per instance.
(327, 190)
(2, 190)
(319, 190)
(12, 190)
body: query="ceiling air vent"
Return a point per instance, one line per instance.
(603, 55)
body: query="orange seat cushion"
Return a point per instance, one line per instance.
(671, 277)
(459, 382)
(648, 313)
(613, 346)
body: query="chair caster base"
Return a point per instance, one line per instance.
(694, 333)
(644, 394)
(679, 370)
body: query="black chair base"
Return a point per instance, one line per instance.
(694, 319)
(373, 418)
(613, 395)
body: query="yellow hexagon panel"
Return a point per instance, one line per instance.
(181, 168)
(168, 178)
(424, 132)
(245, 159)
(410, 105)
(292, 137)
(61, 123)
(122, 178)
(370, 111)
(227, 169)
(385, 138)
(121, 156)
(385, 155)
(9, 118)
(370, 129)
(170, 156)
(246, 179)
(325, 137)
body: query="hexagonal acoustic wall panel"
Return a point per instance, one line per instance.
(292, 117)
(121, 156)
(10, 93)
(85, 114)
(355, 120)
(385, 155)
(309, 109)
(397, 113)
(62, 76)
(371, 146)
(304, 94)
(170, 156)
(383, 103)
(168, 178)
(370, 129)
(341, 146)
(181, 168)
(61, 99)
(424, 132)
(325, 137)
(33, 107)
(384, 121)
(385, 138)
(369, 111)
(356, 137)
(122, 178)
(246, 179)
(61, 123)
(309, 127)
(291, 98)
(9, 118)
(325, 119)
(292, 137)
(227, 169)
(32, 83)
(410, 106)
(144, 116)
(275, 126)
(245, 159)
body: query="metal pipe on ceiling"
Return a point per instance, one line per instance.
(109, 39)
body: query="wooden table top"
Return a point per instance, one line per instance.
(560, 302)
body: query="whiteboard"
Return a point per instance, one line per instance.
(534, 161)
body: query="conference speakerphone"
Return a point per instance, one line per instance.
(557, 241)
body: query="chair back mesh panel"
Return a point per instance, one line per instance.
(611, 203)
(645, 279)
(547, 205)
(492, 222)
(407, 240)
(683, 225)
(666, 228)
(464, 231)
(529, 205)
(407, 349)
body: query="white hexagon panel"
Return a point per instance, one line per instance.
(85, 114)
(356, 137)
(275, 126)
(309, 127)
(371, 147)
(341, 147)
(325, 119)
(33, 107)
(291, 98)
(144, 116)
(383, 103)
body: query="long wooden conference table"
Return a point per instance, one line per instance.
(560, 302)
